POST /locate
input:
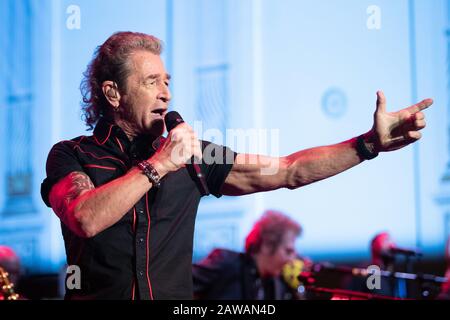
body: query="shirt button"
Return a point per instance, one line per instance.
(141, 273)
(141, 240)
(140, 211)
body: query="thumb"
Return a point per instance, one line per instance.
(381, 102)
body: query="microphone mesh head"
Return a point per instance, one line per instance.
(172, 119)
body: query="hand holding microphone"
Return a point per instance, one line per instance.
(173, 121)
(181, 147)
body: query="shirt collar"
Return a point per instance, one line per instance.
(105, 131)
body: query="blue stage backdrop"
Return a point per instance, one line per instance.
(263, 76)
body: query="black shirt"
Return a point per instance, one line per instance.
(147, 254)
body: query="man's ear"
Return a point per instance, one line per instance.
(265, 249)
(111, 93)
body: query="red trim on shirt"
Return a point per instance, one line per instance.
(133, 290)
(99, 167)
(98, 157)
(134, 219)
(133, 293)
(120, 145)
(148, 234)
(107, 137)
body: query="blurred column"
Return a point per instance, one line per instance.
(446, 176)
(443, 197)
(19, 95)
(212, 64)
(218, 221)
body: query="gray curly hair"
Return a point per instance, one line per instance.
(111, 62)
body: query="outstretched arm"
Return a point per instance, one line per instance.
(390, 131)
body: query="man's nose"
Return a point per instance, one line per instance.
(165, 94)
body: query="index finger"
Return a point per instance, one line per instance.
(420, 106)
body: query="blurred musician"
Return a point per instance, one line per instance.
(257, 273)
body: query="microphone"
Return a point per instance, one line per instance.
(173, 119)
(406, 252)
(291, 271)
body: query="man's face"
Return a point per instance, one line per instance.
(273, 262)
(146, 99)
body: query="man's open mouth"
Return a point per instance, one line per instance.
(160, 111)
